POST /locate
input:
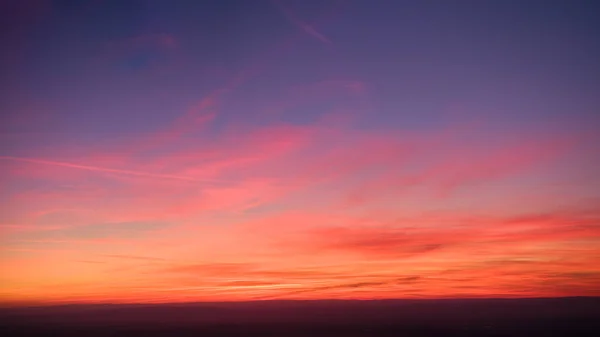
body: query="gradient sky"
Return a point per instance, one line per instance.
(161, 151)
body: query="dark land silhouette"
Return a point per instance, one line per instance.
(574, 316)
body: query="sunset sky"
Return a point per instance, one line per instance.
(187, 150)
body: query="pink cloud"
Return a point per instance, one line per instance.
(454, 167)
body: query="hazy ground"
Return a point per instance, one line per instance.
(502, 317)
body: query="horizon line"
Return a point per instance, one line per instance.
(474, 298)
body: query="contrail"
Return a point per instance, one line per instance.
(300, 24)
(106, 170)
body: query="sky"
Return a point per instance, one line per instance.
(169, 151)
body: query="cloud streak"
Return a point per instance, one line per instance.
(102, 169)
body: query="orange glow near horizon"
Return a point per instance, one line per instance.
(286, 216)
